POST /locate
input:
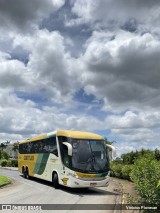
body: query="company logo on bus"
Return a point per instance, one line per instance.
(29, 157)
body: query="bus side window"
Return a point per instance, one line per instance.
(51, 145)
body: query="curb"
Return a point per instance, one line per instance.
(5, 184)
(8, 183)
(10, 168)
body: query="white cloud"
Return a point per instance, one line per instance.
(104, 13)
(13, 72)
(150, 119)
(123, 70)
(136, 129)
(118, 67)
(23, 16)
(49, 68)
(22, 119)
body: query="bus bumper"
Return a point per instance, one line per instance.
(78, 183)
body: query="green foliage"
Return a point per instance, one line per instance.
(145, 175)
(143, 168)
(4, 180)
(157, 154)
(14, 163)
(116, 169)
(121, 167)
(126, 170)
(109, 142)
(8, 163)
(4, 163)
(4, 155)
(130, 158)
(4, 145)
(120, 170)
(16, 146)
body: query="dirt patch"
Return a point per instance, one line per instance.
(128, 191)
(125, 186)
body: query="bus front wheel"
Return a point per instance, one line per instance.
(55, 180)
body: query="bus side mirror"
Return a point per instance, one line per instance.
(69, 146)
(112, 151)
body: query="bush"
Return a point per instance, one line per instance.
(120, 170)
(4, 155)
(4, 163)
(116, 169)
(8, 163)
(126, 170)
(146, 175)
(14, 163)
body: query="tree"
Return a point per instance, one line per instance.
(157, 154)
(131, 157)
(142, 152)
(125, 158)
(15, 146)
(4, 145)
(109, 142)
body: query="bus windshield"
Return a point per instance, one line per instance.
(89, 156)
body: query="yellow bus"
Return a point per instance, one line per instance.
(71, 158)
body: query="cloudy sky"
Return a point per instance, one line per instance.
(91, 65)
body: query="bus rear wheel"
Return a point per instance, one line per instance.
(24, 172)
(55, 180)
(27, 173)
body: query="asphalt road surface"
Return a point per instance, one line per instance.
(36, 192)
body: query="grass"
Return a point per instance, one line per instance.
(4, 180)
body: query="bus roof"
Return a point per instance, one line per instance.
(79, 134)
(67, 133)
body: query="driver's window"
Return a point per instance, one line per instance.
(65, 157)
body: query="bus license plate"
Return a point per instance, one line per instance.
(93, 184)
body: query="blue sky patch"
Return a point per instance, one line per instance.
(38, 98)
(77, 33)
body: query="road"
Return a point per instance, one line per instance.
(36, 191)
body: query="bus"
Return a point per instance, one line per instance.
(64, 157)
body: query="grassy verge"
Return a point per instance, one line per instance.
(4, 180)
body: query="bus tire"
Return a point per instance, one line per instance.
(55, 180)
(27, 173)
(23, 172)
